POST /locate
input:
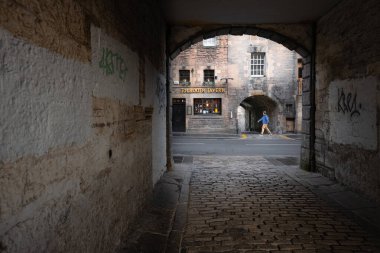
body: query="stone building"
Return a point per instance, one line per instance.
(222, 84)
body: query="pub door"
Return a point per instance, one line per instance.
(179, 115)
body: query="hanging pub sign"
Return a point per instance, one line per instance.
(202, 90)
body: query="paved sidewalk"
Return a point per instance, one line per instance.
(161, 226)
(253, 204)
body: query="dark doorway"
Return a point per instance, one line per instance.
(179, 115)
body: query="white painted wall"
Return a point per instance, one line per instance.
(125, 89)
(241, 119)
(354, 121)
(45, 99)
(156, 92)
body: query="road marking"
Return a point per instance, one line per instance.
(207, 138)
(285, 137)
(186, 143)
(278, 144)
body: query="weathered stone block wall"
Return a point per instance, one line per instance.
(181, 37)
(348, 95)
(82, 115)
(278, 82)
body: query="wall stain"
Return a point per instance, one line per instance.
(3, 248)
(104, 173)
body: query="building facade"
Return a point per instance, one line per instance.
(223, 84)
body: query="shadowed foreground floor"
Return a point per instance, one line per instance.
(253, 204)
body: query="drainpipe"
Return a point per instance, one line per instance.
(312, 98)
(169, 163)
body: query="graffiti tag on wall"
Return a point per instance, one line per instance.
(347, 103)
(161, 95)
(113, 63)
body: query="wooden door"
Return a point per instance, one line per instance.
(179, 115)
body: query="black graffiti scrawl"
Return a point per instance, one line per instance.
(347, 103)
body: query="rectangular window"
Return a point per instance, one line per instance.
(207, 106)
(211, 42)
(300, 67)
(289, 108)
(208, 77)
(299, 72)
(184, 77)
(299, 81)
(257, 64)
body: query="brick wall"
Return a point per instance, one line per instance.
(83, 121)
(348, 97)
(196, 59)
(231, 58)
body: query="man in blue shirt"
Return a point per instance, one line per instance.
(265, 120)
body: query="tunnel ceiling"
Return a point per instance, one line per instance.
(258, 103)
(244, 11)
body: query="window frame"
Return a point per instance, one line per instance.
(188, 82)
(210, 42)
(262, 64)
(289, 108)
(212, 82)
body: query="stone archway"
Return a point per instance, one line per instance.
(300, 38)
(194, 35)
(253, 108)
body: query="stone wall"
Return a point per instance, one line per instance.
(348, 96)
(196, 59)
(231, 58)
(278, 82)
(83, 122)
(292, 36)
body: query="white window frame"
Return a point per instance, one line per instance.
(211, 42)
(260, 64)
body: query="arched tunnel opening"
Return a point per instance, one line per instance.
(210, 79)
(251, 110)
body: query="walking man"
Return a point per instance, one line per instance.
(265, 121)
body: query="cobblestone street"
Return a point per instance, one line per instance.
(249, 204)
(253, 204)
